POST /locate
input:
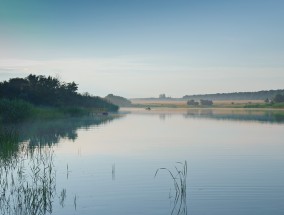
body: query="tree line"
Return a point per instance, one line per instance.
(202, 102)
(50, 91)
(260, 95)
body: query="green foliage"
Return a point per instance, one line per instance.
(15, 110)
(266, 105)
(49, 91)
(279, 98)
(74, 111)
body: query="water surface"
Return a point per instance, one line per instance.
(106, 165)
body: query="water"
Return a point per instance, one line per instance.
(107, 165)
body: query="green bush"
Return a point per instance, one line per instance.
(15, 110)
(43, 91)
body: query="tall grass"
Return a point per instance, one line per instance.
(15, 110)
(9, 146)
(75, 111)
(29, 186)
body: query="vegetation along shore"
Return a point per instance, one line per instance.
(46, 97)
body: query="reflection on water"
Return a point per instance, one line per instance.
(27, 171)
(40, 133)
(28, 182)
(235, 168)
(256, 115)
(271, 116)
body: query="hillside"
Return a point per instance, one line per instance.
(118, 100)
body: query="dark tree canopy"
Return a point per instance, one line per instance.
(279, 98)
(206, 102)
(192, 102)
(49, 91)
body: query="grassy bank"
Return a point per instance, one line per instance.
(12, 111)
(270, 105)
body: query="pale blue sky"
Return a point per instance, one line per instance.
(141, 48)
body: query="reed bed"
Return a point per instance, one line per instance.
(9, 147)
(28, 186)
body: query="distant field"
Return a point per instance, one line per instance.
(145, 101)
(180, 103)
(243, 102)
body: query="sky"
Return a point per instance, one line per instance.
(142, 48)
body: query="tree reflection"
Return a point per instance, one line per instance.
(41, 133)
(27, 171)
(268, 116)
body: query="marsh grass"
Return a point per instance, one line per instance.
(179, 177)
(57, 113)
(15, 110)
(28, 186)
(75, 111)
(9, 146)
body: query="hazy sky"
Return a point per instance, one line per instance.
(141, 48)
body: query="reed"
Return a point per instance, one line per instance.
(28, 186)
(179, 178)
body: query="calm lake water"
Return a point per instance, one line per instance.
(106, 165)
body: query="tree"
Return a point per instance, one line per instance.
(192, 102)
(49, 91)
(206, 102)
(279, 98)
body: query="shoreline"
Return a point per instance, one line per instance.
(231, 104)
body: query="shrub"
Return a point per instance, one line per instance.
(192, 102)
(206, 102)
